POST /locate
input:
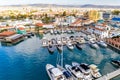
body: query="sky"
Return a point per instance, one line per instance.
(64, 2)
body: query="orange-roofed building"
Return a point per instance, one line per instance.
(39, 24)
(21, 28)
(7, 33)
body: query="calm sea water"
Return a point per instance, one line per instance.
(27, 60)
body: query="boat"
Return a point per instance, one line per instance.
(51, 48)
(64, 41)
(77, 39)
(55, 31)
(82, 40)
(66, 73)
(116, 62)
(58, 40)
(102, 43)
(93, 44)
(44, 42)
(75, 71)
(54, 73)
(78, 45)
(51, 31)
(69, 45)
(84, 69)
(87, 38)
(58, 31)
(31, 33)
(53, 41)
(28, 35)
(59, 47)
(95, 71)
(69, 31)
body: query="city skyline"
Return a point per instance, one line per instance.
(65, 2)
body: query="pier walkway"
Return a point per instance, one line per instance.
(110, 75)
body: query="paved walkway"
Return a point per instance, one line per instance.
(110, 75)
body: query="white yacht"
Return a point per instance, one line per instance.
(82, 40)
(51, 31)
(95, 71)
(69, 45)
(75, 71)
(66, 73)
(44, 42)
(93, 44)
(54, 73)
(84, 69)
(59, 41)
(102, 43)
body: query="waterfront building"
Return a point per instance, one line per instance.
(6, 33)
(49, 25)
(77, 23)
(101, 30)
(21, 30)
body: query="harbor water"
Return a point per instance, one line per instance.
(27, 60)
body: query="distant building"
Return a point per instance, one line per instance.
(106, 16)
(70, 19)
(94, 15)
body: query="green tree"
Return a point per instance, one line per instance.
(64, 13)
(115, 12)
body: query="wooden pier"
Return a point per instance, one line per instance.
(110, 75)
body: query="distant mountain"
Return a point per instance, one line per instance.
(78, 6)
(98, 6)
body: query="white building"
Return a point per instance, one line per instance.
(70, 19)
(100, 30)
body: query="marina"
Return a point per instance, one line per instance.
(59, 40)
(31, 55)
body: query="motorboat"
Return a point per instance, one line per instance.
(87, 38)
(31, 33)
(75, 71)
(116, 62)
(53, 41)
(58, 40)
(58, 31)
(64, 41)
(69, 45)
(78, 45)
(102, 43)
(54, 73)
(67, 74)
(51, 48)
(59, 47)
(84, 69)
(44, 42)
(82, 40)
(77, 39)
(93, 44)
(69, 31)
(55, 31)
(95, 71)
(51, 31)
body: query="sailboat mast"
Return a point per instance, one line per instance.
(62, 48)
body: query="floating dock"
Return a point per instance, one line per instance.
(110, 75)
